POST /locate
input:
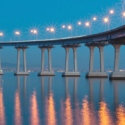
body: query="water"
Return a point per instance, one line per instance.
(33, 100)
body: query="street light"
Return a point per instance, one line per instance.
(17, 33)
(111, 11)
(70, 28)
(94, 18)
(52, 30)
(1, 34)
(47, 29)
(63, 27)
(79, 23)
(106, 20)
(87, 24)
(35, 31)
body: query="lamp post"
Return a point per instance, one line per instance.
(1, 35)
(123, 16)
(87, 24)
(79, 23)
(17, 33)
(47, 30)
(70, 28)
(94, 19)
(63, 27)
(106, 20)
(34, 31)
(52, 30)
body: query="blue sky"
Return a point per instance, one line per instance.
(24, 15)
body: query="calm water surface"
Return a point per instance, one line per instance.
(33, 100)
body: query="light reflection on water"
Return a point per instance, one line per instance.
(2, 109)
(18, 118)
(64, 101)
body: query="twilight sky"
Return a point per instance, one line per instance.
(24, 15)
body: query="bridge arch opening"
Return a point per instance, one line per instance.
(109, 53)
(122, 59)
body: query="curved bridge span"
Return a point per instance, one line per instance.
(115, 34)
(116, 37)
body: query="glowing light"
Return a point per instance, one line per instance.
(111, 11)
(87, 24)
(17, 33)
(35, 31)
(63, 26)
(123, 14)
(94, 18)
(52, 29)
(1, 34)
(106, 20)
(47, 29)
(69, 27)
(79, 23)
(31, 31)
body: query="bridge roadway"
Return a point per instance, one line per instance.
(116, 37)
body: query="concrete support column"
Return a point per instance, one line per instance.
(91, 58)
(42, 59)
(24, 59)
(49, 73)
(75, 59)
(101, 58)
(67, 58)
(18, 59)
(117, 49)
(49, 60)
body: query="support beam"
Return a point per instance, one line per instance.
(49, 59)
(18, 59)
(116, 74)
(45, 73)
(67, 73)
(75, 59)
(24, 61)
(67, 58)
(100, 74)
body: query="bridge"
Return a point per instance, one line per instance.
(115, 37)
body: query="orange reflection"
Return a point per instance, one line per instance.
(104, 115)
(120, 115)
(62, 112)
(34, 110)
(69, 119)
(86, 112)
(18, 118)
(50, 110)
(2, 114)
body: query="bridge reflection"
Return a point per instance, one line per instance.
(72, 109)
(2, 108)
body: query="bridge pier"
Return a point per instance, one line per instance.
(67, 73)
(24, 61)
(1, 73)
(43, 73)
(100, 74)
(116, 74)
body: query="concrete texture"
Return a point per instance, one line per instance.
(21, 73)
(71, 74)
(46, 74)
(117, 76)
(96, 75)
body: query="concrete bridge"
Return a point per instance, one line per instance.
(116, 37)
